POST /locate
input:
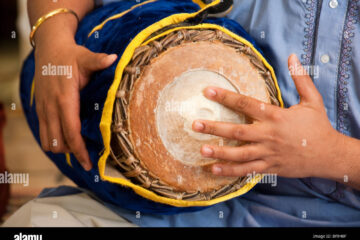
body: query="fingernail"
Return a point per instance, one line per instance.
(210, 92)
(86, 166)
(217, 170)
(199, 126)
(207, 151)
(296, 59)
(111, 58)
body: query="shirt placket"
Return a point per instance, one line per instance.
(325, 64)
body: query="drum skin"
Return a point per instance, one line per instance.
(114, 37)
(168, 97)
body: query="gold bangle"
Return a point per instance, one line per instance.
(47, 16)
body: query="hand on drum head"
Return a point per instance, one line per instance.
(57, 96)
(294, 142)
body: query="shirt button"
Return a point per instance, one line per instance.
(325, 58)
(333, 3)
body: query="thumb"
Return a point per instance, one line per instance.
(96, 61)
(304, 84)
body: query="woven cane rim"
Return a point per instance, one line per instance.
(122, 155)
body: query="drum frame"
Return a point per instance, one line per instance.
(122, 155)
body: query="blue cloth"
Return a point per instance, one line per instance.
(109, 41)
(114, 37)
(294, 207)
(313, 30)
(324, 35)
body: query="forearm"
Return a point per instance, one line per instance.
(61, 27)
(344, 165)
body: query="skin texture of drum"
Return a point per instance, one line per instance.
(168, 97)
(160, 96)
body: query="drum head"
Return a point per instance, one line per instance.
(160, 96)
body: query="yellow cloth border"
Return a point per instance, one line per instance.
(106, 119)
(101, 25)
(98, 27)
(200, 3)
(119, 15)
(32, 92)
(240, 39)
(68, 159)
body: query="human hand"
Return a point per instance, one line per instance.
(294, 142)
(57, 96)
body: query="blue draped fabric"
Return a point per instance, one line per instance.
(112, 38)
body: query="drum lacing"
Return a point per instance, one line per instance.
(140, 50)
(134, 173)
(120, 94)
(132, 70)
(118, 127)
(158, 46)
(142, 55)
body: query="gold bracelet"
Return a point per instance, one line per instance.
(47, 16)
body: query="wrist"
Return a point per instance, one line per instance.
(335, 164)
(56, 31)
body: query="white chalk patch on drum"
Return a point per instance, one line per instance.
(182, 101)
